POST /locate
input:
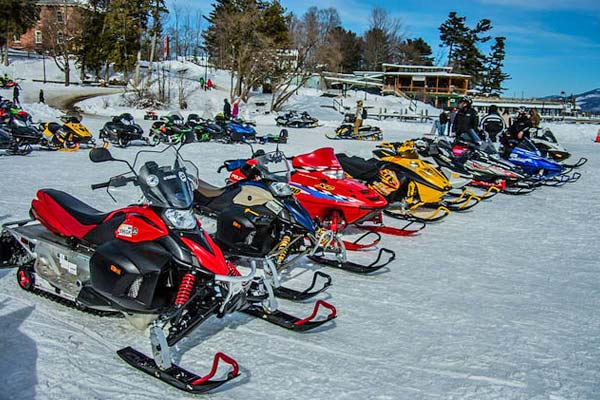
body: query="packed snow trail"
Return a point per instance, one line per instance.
(496, 303)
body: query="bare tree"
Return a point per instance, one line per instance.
(383, 39)
(307, 55)
(61, 30)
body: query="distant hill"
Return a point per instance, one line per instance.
(588, 101)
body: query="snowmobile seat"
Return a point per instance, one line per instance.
(78, 209)
(358, 167)
(208, 190)
(53, 127)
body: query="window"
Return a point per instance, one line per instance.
(17, 38)
(59, 16)
(38, 37)
(60, 38)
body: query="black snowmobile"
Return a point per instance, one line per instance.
(545, 141)
(8, 143)
(206, 130)
(122, 130)
(23, 133)
(292, 119)
(365, 132)
(151, 263)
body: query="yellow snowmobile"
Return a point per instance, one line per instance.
(415, 189)
(69, 136)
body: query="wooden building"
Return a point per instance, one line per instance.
(438, 85)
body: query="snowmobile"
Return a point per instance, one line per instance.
(150, 115)
(170, 129)
(8, 143)
(538, 168)
(328, 211)
(23, 132)
(483, 173)
(206, 129)
(150, 262)
(7, 83)
(365, 132)
(239, 131)
(122, 130)
(545, 141)
(397, 173)
(69, 136)
(292, 119)
(7, 109)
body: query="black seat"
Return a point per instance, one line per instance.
(78, 209)
(358, 167)
(53, 127)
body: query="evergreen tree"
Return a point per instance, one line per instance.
(125, 23)
(93, 48)
(494, 75)
(464, 55)
(16, 17)
(416, 52)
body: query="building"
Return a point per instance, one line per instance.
(56, 16)
(544, 107)
(438, 85)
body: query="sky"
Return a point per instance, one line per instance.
(552, 46)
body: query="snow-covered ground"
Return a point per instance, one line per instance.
(497, 303)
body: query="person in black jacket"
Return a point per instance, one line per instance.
(16, 93)
(518, 130)
(466, 121)
(227, 109)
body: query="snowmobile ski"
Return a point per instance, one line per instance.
(355, 267)
(296, 295)
(177, 376)
(436, 215)
(290, 322)
(410, 229)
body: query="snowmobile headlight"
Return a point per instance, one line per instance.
(334, 173)
(280, 189)
(180, 219)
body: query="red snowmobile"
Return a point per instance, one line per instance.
(151, 262)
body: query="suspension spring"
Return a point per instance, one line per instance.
(185, 289)
(283, 249)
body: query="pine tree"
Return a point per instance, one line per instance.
(494, 75)
(16, 17)
(416, 52)
(464, 55)
(93, 48)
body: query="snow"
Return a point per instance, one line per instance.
(497, 303)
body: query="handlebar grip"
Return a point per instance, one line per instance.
(100, 185)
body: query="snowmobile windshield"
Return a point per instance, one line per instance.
(528, 145)
(548, 136)
(165, 182)
(274, 166)
(127, 119)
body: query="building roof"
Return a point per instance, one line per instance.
(417, 67)
(61, 2)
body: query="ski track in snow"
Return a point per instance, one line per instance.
(496, 303)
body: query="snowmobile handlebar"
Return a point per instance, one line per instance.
(117, 181)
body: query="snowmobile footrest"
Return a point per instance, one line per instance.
(296, 295)
(292, 323)
(358, 268)
(177, 376)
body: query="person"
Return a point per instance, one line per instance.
(236, 109)
(516, 132)
(16, 92)
(358, 117)
(42, 100)
(227, 109)
(452, 116)
(506, 117)
(492, 124)
(534, 118)
(209, 84)
(202, 83)
(442, 123)
(466, 121)
(4, 79)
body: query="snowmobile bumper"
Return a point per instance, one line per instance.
(177, 376)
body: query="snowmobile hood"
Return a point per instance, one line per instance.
(532, 162)
(300, 215)
(243, 129)
(323, 158)
(421, 171)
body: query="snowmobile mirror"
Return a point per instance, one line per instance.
(100, 154)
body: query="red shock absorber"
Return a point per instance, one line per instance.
(185, 289)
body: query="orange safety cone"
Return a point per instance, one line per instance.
(597, 137)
